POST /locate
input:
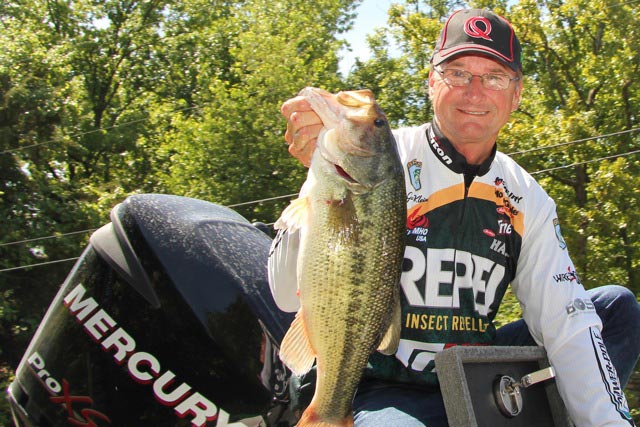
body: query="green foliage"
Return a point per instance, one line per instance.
(231, 149)
(403, 98)
(581, 61)
(6, 376)
(510, 310)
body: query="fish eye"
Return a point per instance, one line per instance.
(379, 123)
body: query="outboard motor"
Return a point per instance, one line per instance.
(165, 320)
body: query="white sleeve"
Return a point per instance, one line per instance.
(282, 270)
(561, 316)
(589, 383)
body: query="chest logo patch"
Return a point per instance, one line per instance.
(415, 168)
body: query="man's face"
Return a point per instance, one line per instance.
(473, 114)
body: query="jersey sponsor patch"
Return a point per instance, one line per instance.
(610, 376)
(450, 270)
(580, 306)
(414, 168)
(556, 227)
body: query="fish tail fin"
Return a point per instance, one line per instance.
(310, 418)
(295, 350)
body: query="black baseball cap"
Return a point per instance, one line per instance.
(479, 31)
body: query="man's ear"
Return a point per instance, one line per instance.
(517, 94)
(430, 82)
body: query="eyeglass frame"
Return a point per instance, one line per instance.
(470, 77)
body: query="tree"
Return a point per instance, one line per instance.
(581, 62)
(232, 151)
(71, 77)
(399, 79)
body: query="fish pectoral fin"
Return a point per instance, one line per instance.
(295, 215)
(391, 338)
(295, 349)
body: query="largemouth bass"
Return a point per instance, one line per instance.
(351, 214)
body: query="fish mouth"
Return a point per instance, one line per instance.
(344, 174)
(332, 162)
(356, 187)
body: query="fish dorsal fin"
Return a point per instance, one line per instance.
(295, 349)
(391, 338)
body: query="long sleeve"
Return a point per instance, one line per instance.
(561, 317)
(282, 270)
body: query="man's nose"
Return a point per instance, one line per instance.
(475, 86)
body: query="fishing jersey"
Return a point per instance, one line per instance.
(471, 232)
(466, 225)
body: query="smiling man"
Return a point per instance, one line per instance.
(477, 223)
(468, 114)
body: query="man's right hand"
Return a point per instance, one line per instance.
(303, 127)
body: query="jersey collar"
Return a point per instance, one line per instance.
(443, 150)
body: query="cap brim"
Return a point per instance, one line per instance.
(441, 56)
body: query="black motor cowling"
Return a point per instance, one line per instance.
(165, 320)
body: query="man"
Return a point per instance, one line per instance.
(477, 222)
